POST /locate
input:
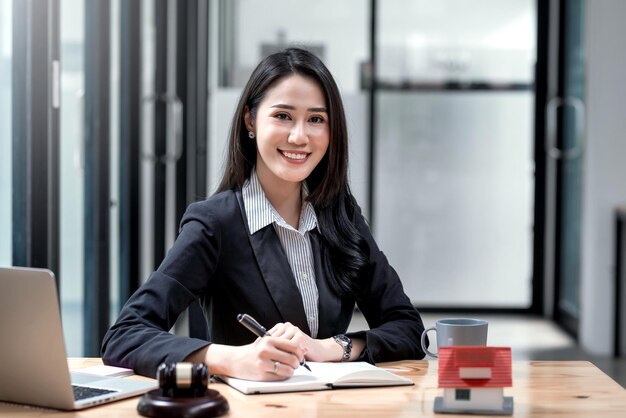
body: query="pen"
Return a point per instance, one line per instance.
(258, 330)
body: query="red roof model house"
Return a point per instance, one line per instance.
(473, 379)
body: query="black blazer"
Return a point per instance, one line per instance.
(215, 260)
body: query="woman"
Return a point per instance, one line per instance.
(282, 240)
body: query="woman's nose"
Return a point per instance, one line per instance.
(298, 135)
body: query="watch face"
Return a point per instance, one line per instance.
(343, 340)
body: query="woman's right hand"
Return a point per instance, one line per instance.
(266, 359)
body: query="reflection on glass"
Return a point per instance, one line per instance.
(5, 133)
(454, 179)
(72, 172)
(337, 31)
(453, 195)
(478, 41)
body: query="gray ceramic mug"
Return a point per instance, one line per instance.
(457, 332)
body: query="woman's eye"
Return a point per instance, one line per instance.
(317, 119)
(281, 116)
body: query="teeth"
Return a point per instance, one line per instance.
(294, 156)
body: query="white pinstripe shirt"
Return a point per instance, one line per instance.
(295, 242)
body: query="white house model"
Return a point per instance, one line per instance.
(473, 380)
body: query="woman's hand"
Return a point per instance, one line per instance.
(316, 350)
(267, 358)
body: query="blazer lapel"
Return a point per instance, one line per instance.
(276, 272)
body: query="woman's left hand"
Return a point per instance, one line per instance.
(316, 350)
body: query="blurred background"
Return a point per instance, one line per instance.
(486, 146)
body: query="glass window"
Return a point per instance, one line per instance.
(338, 32)
(454, 149)
(462, 394)
(72, 172)
(478, 41)
(5, 133)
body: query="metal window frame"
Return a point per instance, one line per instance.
(561, 14)
(35, 134)
(539, 291)
(97, 181)
(130, 139)
(372, 86)
(160, 129)
(192, 50)
(619, 329)
(192, 89)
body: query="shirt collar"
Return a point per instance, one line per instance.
(261, 213)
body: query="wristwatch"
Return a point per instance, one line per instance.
(346, 343)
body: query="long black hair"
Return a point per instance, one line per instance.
(344, 251)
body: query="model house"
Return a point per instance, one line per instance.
(473, 379)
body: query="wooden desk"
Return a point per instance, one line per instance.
(540, 388)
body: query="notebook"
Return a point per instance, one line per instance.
(33, 363)
(323, 376)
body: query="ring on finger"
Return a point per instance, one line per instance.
(276, 364)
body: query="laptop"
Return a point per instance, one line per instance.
(33, 362)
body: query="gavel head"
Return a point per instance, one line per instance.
(182, 379)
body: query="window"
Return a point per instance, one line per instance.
(5, 133)
(462, 394)
(72, 167)
(453, 158)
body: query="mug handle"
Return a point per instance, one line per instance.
(424, 342)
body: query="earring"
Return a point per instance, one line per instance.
(251, 135)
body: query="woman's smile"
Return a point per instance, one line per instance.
(295, 157)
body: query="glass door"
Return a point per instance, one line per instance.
(453, 149)
(565, 148)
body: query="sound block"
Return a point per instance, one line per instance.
(153, 404)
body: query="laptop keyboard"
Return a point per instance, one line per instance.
(84, 392)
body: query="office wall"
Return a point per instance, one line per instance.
(604, 184)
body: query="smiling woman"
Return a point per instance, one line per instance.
(282, 240)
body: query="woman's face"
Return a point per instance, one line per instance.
(292, 130)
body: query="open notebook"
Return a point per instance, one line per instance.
(323, 376)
